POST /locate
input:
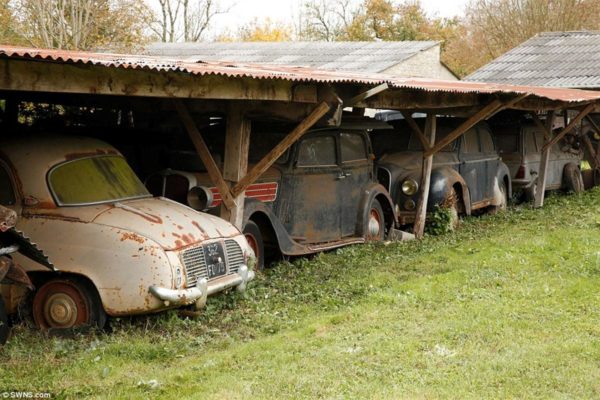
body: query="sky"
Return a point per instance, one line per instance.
(244, 11)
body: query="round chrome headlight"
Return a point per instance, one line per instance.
(410, 187)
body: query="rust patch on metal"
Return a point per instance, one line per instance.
(132, 236)
(197, 225)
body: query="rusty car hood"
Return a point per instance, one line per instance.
(168, 223)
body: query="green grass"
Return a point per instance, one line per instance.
(508, 306)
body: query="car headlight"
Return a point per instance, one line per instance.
(410, 187)
(409, 204)
(199, 198)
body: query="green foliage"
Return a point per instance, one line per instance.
(505, 307)
(440, 221)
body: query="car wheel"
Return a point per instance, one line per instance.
(255, 240)
(375, 223)
(572, 179)
(67, 303)
(4, 327)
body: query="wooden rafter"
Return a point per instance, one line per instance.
(268, 160)
(569, 128)
(204, 153)
(365, 95)
(484, 113)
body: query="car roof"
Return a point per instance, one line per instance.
(31, 157)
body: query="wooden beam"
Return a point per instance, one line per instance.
(590, 148)
(365, 95)
(543, 170)
(51, 77)
(540, 125)
(593, 124)
(421, 212)
(235, 165)
(415, 127)
(268, 160)
(204, 153)
(572, 124)
(510, 104)
(468, 124)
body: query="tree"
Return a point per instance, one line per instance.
(265, 31)
(326, 20)
(82, 24)
(185, 20)
(495, 26)
(7, 24)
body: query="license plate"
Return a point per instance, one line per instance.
(215, 260)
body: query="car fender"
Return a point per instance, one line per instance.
(375, 191)
(121, 264)
(503, 174)
(287, 245)
(443, 179)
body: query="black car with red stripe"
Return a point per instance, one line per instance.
(321, 194)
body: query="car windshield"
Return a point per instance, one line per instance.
(94, 180)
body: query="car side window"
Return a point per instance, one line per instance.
(487, 144)
(317, 151)
(353, 147)
(471, 142)
(7, 193)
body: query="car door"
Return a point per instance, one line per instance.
(472, 165)
(312, 187)
(357, 172)
(490, 161)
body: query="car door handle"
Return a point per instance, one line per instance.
(341, 176)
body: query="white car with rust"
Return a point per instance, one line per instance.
(109, 247)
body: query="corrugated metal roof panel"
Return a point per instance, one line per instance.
(565, 59)
(325, 55)
(287, 73)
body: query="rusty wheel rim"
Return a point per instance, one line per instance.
(60, 304)
(374, 228)
(252, 243)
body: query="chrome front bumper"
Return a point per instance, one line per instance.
(197, 295)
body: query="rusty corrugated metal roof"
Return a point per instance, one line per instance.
(289, 73)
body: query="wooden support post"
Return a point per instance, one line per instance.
(421, 213)
(543, 170)
(263, 165)
(235, 166)
(204, 153)
(595, 162)
(482, 114)
(413, 125)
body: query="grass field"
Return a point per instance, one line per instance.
(507, 306)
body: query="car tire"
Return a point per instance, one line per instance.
(375, 222)
(572, 178)
(67, 303)
(255, 240)
(4, 326)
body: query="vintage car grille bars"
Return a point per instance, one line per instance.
(195, 263)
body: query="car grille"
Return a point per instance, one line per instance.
(195, 263)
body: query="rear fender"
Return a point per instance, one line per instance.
(378, 192)
(503, 175)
